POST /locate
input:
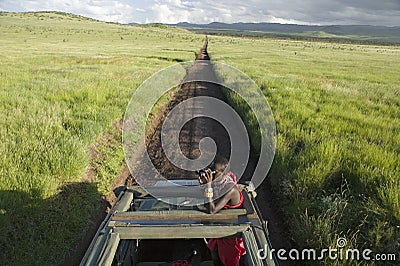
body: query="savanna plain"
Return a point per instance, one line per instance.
(65, 82)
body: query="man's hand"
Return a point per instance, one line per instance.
(208, 177)
(205, 178)
(201, 179)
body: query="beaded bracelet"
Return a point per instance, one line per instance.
(209, 194)
(208, 189)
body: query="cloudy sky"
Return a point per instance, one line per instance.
(320, 12)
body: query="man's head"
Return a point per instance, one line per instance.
(219, 165)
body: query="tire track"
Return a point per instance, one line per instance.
(189, 138)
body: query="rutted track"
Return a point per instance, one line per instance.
(189, 138)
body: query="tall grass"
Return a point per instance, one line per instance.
(336, 170)
(65, 80)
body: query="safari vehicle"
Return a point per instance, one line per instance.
(143, 230)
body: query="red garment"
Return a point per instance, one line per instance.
(229, 249)
(237, 206)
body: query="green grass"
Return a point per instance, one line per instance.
(65, 82)
(307, 35)
(337, 108)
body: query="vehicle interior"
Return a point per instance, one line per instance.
(152, 252)
(143, 230)
(165, 252)
(149, 252)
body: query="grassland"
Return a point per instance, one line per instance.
(306, 35)
(65, 82)
(337, 166)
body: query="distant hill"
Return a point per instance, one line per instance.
(361, 33)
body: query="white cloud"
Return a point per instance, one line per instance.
(386, 12)
(171, 11)
(114, 11)
(206, 11)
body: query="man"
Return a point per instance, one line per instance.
(221, 192)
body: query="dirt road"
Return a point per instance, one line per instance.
(189, 139)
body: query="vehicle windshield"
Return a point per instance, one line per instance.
(169, 202)
(152, 204)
